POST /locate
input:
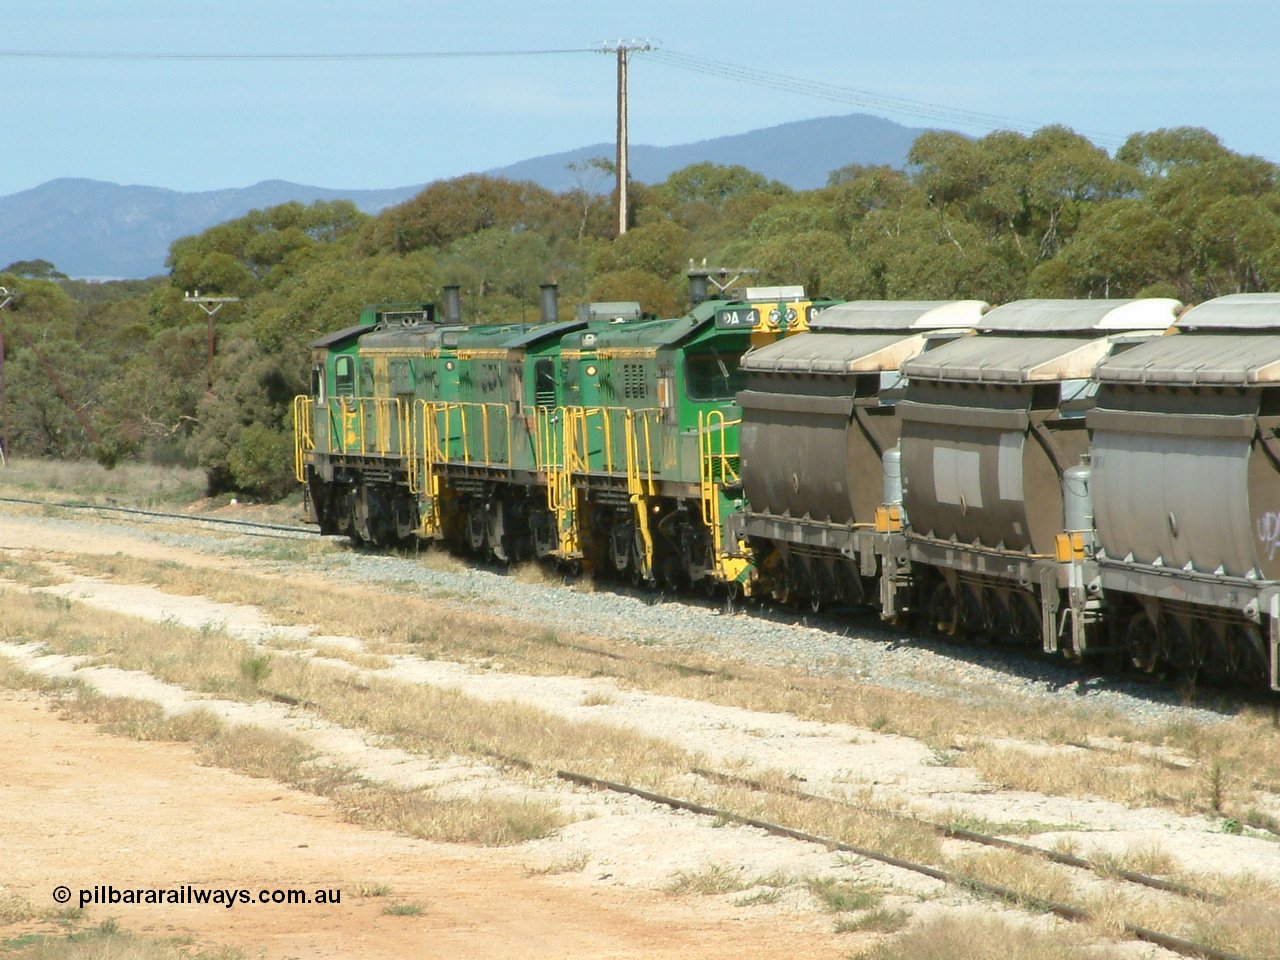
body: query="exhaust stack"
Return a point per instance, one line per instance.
(550, 303)
(453, 304)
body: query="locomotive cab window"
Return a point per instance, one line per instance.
(317, 383)
(344, 377)
(711, 374)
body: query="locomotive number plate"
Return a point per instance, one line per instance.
(741, 318)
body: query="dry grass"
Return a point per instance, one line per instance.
(108, 942)
(357, 658)
(272, 755)
(129, 483)
(30, 573)
(1222, 783)
(14, 909)
(211, 661)
(572, 864)
(533, 573)
(1148, 858)
(988, 938)
(1249, 928)
(1029, 877)
(712, 880)
(842, 896)
(883, 920)
(1224, 761)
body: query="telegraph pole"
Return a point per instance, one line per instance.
(5, 299)
(210, 305)
(624, 50)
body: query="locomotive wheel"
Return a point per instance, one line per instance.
(476, 532)
(496, 532)
(635, 573)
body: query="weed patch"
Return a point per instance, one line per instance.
(883, 920)
(842, 896)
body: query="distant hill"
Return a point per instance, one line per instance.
(90, 228)
(799, 154)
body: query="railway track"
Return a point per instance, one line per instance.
(956, 833)
(1066, 911)
(268, 529)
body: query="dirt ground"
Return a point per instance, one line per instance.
(80, 808)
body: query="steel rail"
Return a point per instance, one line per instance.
(80, 505)
(1068, 912)
(958, 833)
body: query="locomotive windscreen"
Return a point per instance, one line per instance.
(711, 374)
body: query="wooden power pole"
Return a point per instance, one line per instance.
(624, 50)
(5, 298)
(210, 305)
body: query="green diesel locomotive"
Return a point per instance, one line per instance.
(609, 441)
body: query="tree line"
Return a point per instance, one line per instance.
(118, 370)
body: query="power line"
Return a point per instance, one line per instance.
(855, 97)
(936, 112)
(288, 57)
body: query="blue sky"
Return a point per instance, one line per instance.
(1104, 67)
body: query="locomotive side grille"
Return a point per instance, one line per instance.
(634, 386)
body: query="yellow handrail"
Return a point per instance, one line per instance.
(351, 432)
(303, 436)
(711, 426)
(641, 487)
(427, 440)
(554, 455)
(442, 411)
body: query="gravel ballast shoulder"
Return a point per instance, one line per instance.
(854, 646)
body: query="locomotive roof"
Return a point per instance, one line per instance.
(834, 353)
(990, 359)
(338, 336)
(1081, 316)
(1237, 311)
(867, 315)
(494, 336)
(410, 338)
(1197, 360)
(544, 331)
(660, 333)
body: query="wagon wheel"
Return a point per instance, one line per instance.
(944, 612)
(1142, 643)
